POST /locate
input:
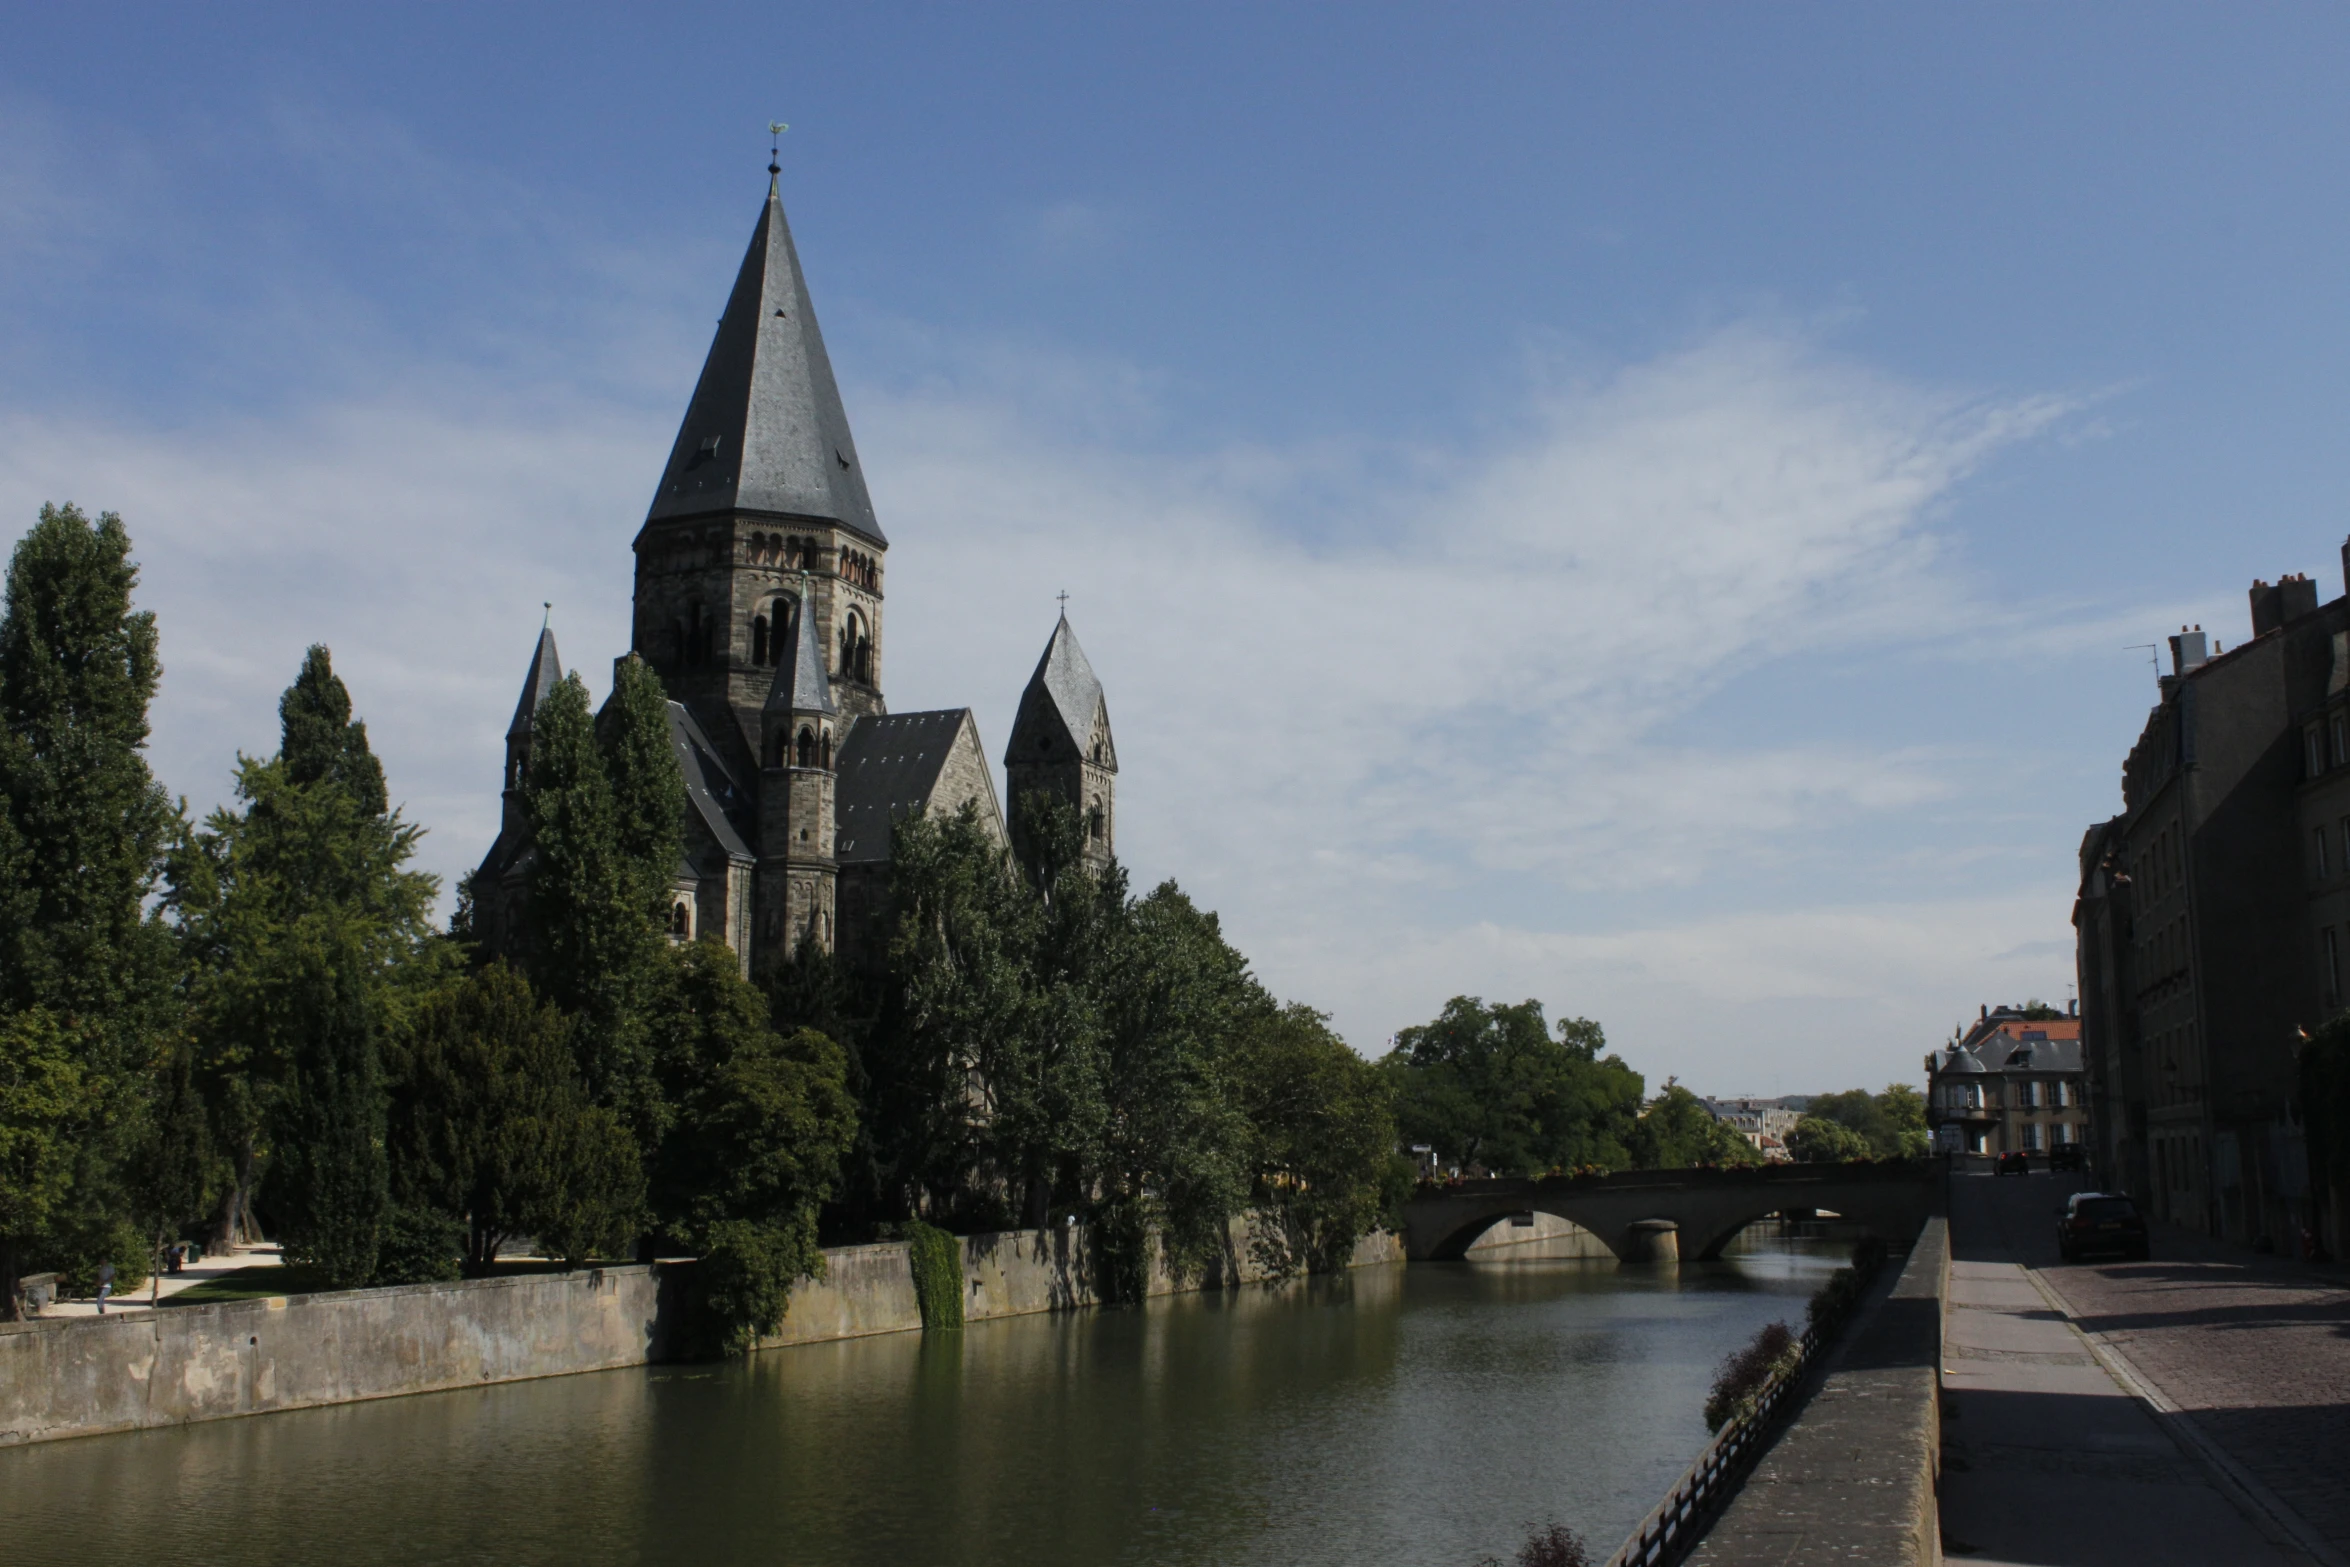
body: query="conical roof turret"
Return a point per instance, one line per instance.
(545, 670)
(1063, 687)
(801, 685)
(765, 431)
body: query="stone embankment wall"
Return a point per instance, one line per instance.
(78, 1376)
(1851, 1480)
(82, 1376)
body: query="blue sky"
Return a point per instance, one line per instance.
(1645, 508)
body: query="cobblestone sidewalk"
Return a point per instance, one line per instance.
(2257, 1354)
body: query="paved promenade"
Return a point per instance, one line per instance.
(2052, 1453)
(169, 1284)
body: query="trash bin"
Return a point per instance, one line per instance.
(40, 1292)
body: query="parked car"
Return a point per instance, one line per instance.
(2100, 1221)
(2016, 1162)
(2066, 1156)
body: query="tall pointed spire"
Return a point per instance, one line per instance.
(1065, 685)
(765, 431)
(800, 682)
(545, 670)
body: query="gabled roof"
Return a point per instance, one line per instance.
(800, 684)
(722, 805)
(1063, 690)
(887, 768)
(765, 430)
(545, 670)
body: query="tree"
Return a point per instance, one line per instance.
(1677, 1132)
(172, 1164)
(490, 1125)
(1322, 1132)
(1818, 1139)
(83, 826)
(754, 1140)
(302, 924)
(1892, 1124)
(1488, 1086)
(602, 861)
(45, 1103)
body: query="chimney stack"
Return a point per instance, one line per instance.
(2186, 650)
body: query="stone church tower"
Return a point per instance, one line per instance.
(758, 602)
(1061, 742)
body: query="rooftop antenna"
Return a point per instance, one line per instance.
(2153, 652)
(775, 130)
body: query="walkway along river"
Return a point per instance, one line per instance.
(1422, 1416)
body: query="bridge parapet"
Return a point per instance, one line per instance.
(1709, 1206)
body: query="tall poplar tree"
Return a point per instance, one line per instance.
(83, 828)
(604, 800)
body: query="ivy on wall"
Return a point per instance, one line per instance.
(937, 1260)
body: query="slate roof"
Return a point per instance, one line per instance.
(2029, 1050)
(765, 430)
(1063, 687)
(800, 682)
(545, 670)
(888, 767)
(724, 806)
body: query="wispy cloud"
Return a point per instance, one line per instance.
(1404, 717)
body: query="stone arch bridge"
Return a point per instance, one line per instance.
(1703, 1208)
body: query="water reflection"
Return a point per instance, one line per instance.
(1425, 1415)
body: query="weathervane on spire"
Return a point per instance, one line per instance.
(775, 130)
(548, 618)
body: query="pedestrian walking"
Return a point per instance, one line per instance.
(105, 1285)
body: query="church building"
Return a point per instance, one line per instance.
(761, 575)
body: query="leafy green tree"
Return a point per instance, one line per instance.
(83, 827)
(1677, 1132)
(1893, 1123)
(490, 1126)
(45, 1105)
(1321, 1137)
(171, 1165)
(604, 808)
(1819, 1139)
(1488, 1086)
(1173, 1148)
(961, 993)
(753, 1145)
(302, 924)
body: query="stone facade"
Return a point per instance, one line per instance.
(760, 572)
(2211, 920)
(2012, 1083)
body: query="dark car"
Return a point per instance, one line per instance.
(2100, 1221)
(2065, 1156)
(2015, 1163)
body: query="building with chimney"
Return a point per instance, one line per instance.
(2012, 1082)
(2211, 920)
(761, 585)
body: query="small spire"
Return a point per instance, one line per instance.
(800, 684)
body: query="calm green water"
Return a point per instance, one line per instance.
(1424, 1416)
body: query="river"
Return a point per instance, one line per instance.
(1417, 1416)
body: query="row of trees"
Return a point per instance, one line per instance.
(252, 1022)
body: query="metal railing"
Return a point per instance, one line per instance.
(1676, 1523)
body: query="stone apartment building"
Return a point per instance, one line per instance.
(759, 601)
(2212, 917)
(2012, 1082)
(1764, 1123)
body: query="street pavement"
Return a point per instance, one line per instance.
(2051, 1457)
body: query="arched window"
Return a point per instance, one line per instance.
(1093, 824)
(807, 748)
(775, 744)
(759, 639)
(681, 919)
(856, 649)
(825, 750)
